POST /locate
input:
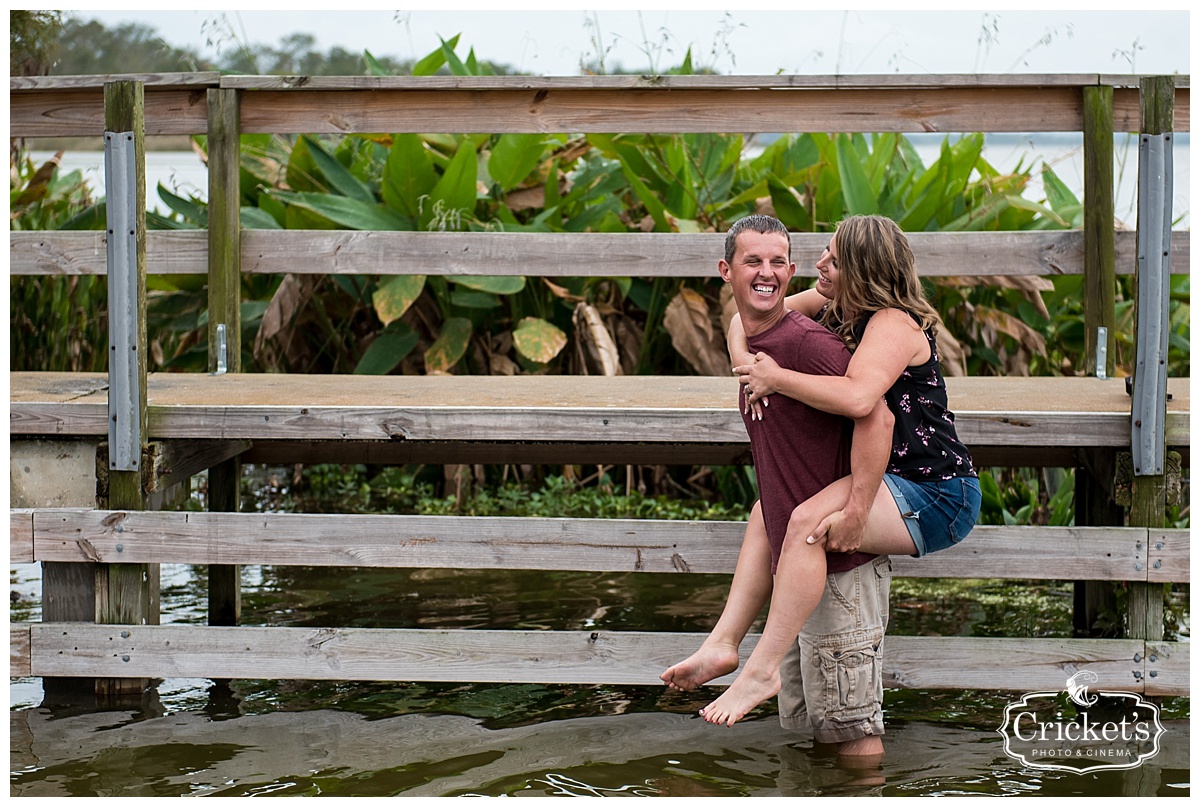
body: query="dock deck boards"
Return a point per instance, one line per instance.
(1050, 412)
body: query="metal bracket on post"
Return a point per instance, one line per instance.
(1101, 352)
(124, 423)
(222, 351)
(1155, 190)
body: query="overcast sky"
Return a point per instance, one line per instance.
(985, 40)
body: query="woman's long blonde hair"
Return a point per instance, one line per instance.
(876, 271)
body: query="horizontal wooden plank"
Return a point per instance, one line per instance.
(80, 113)
(1044, 253)
(73, 106)
(1168, 668)
(580, 452)
(18, 650)
(990, 109)
(475, 542)
(994, 411)
(20, 536)
(885, 80)
(152, 81)
(1169, 555)
(488, 452)
(568, 657)
(932, 80)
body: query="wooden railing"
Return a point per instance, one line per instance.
(199, 422)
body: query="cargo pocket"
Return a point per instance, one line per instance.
(853, 681)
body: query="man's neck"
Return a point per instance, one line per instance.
(757, 323)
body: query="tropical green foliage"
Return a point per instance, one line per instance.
(572, 183)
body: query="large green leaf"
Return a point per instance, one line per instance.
(493, 284)
(449, 346)
(408, 175)
(301, 168)
(395, 295)
(338, 176)
(457, 68)
(513, 158)
(374, 68)
(429, 65)
(787, 207)
(469, 298)
(192, 211)
(455, 193)
(388, 350)
(857, 192)
(255, 218)
(349, 213)
(1058, 195)
(538, 340)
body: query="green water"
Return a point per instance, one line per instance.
(192, 737)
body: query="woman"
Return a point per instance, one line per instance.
(869, 293)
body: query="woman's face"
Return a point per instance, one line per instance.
(827, 270)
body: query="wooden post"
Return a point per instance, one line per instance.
(224, 318)
(128, 593)
(1149, 493)
(1099, 267)
(1093, 500)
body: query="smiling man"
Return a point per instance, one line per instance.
(831, 679)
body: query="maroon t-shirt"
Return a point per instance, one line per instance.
(797, 449)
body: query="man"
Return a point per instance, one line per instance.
(830, 680)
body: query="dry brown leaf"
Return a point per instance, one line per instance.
(599, 349)
(1030, 286)
(728, 307)
(951, 354)
(502, 365)
(688, 322)
(562, 293)
(629, 339)
(764, 206)
(526, 198)
(279, 318)
(1007, 324)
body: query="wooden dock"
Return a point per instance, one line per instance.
(99, 554)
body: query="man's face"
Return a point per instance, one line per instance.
(759, 274)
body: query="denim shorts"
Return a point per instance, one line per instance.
(938, 513)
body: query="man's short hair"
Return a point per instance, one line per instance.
(758, 223)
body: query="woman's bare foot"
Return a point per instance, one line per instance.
(704, 665)
(748, 691)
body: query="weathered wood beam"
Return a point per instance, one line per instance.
(579, 657)
(634, 545)
(20, 537)
(1064, 412)
(1149, 505)
(80, 113)
(982, 255)
(128, 593)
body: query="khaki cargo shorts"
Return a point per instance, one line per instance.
(833, 676)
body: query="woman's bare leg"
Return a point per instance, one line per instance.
(748, 593)
(799, 585)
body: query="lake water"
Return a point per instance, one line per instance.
(195, 737)
(183, 173)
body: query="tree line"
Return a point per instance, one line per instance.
(56, 43)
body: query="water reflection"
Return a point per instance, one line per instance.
(248, 737)
(331, 752)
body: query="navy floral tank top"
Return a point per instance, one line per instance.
(925, 445)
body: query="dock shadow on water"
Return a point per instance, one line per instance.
(329, 738)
